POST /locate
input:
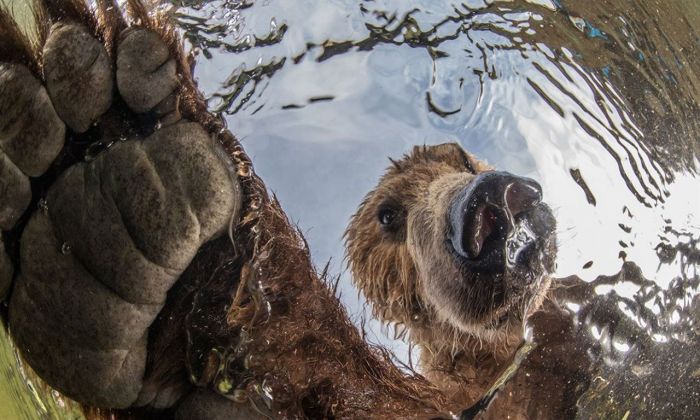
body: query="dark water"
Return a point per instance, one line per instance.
(598, 101)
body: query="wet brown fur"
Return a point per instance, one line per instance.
(14, 45)
(385, 264)
(402, 269)
(291, 335)
(270, 315)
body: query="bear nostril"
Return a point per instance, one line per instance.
(478, 229)
(521, 195)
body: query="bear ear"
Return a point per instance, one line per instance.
(477, 166)
(450, 153)
(398, 164)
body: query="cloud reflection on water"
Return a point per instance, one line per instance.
(536, 90)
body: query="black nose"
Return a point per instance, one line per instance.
(485, 212)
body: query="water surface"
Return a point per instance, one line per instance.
(598, 102)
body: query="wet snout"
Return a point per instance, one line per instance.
(489, 220)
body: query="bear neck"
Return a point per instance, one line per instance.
(463, 366)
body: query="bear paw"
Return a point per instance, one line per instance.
(114, 230)
(6, 271)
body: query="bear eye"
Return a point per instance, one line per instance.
(387, 216)
(390, 216)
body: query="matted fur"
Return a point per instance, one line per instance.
(15, 47)
(384, 266)
(406, 271)
(293, 339)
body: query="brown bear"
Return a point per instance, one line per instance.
(145, 270)
(458, 253)
(149, 270)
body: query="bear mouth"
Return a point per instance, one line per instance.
(508, 311)
(516, 255)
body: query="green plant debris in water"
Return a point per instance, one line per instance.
(24, 397)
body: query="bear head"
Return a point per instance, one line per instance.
(448, 247)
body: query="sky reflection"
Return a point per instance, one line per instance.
(481, 77)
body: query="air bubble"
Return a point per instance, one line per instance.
(266, 391)
(248, 361)
(65, 248)
(43, 206)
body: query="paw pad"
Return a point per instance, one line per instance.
(79, 75)
(31, 136)
(97, 261)
(146, 73)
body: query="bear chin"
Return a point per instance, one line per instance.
(523, 284)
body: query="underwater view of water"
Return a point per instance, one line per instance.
(598, 101)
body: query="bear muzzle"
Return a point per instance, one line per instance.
(498, 223)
